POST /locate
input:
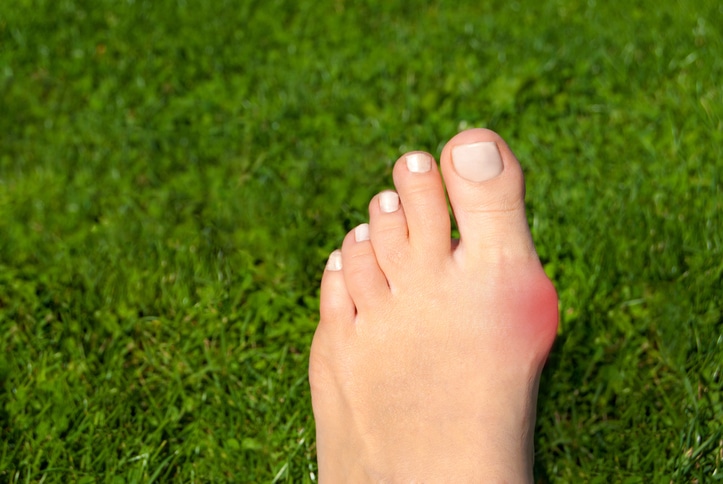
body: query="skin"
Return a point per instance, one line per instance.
(426, 361)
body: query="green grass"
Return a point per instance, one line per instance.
(174, 173)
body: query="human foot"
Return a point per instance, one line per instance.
(426, 361)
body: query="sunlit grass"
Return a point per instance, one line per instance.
(174, 173)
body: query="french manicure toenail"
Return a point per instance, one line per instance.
(361, 233)
(477, 162)
(334, 262)
(419, 162)
(388, 202)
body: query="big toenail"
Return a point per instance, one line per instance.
(334, 262)
(477, 162)
(361, 233)
(388, 202)
(419, 162)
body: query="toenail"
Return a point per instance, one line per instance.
(361, 233)
(477, 161)
(388, 202)
(334, 262)
(419, 162)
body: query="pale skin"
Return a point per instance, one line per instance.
(427, 358)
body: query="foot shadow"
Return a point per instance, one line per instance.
(547, 382)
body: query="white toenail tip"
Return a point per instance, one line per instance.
(361, 233)
(388, 202)
(334, 262)
(419, 162)
(477, 162)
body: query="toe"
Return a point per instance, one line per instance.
(389, 232)
(486, 190)
(336, 306)
(364, 279)
(421, 192)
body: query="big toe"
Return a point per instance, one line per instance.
(486, 189)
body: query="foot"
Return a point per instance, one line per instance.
(426, 361)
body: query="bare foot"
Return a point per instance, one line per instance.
(426, 361)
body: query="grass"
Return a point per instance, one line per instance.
(174, 173)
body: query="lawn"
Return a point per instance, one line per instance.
(173, 174)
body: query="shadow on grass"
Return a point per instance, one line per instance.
(545, 394)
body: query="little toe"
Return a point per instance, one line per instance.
(336, 305)
(486, 189)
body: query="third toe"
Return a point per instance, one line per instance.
(388, 230)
